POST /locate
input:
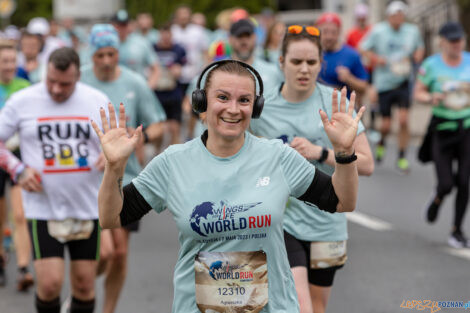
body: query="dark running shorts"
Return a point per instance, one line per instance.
(46, 246)
(133, 227)
(298, 253)
(399, 96)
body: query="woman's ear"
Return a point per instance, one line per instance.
(281, 62)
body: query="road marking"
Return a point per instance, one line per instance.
(368, 221)
(463, 253)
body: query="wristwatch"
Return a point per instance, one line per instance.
(146, 137)
(324, 155)
(340, 159)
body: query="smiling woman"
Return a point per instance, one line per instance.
(227, 192)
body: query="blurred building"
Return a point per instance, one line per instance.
(86, 10)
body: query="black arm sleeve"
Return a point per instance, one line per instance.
(321, 193)
(134, 205)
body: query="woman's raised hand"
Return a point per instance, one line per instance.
(342, 128)
(116, 144)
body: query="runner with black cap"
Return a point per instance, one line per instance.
(444, 82)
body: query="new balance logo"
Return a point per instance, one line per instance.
(263, 181)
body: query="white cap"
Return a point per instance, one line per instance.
(361, 10)
(396, 6)
(38, 26)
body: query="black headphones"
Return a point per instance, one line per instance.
(199, 99)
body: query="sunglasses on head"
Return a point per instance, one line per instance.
(297, 29)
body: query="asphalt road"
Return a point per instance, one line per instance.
(394, 256)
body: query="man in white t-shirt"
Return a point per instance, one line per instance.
(194, 40)
(53, 122)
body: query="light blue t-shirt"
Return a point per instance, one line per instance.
(393, 45)
(141, 104)
(270, 74)
(204, 192)
(285, 120)
(137, 54)
(440, 77)
(152, 36)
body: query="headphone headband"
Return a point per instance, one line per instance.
(245, 65)
(199, 98)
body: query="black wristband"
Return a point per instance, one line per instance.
(146, 137)
(346, 159)
(324, 155)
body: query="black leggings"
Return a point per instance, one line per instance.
(448, 146)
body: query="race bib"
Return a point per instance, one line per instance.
(456, 95)
(231, 281)
(327, 254)
(166, 81)
(401, 67)
(70, 229)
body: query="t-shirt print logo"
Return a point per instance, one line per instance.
(263, 181)
(64, 143)
(208, 218)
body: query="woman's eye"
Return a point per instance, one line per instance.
(222, 97)
(311, 62)
(295, 62)
(245, 100)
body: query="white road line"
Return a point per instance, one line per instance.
(368, 221)
(463, 253)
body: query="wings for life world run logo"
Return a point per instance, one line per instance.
(208, 218)
(223, 270)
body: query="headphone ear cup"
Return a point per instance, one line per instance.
(258, 107)
(199, 101)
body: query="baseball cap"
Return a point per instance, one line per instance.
(38, 26)
(243, 26)
(121, 17)
(329, 17)
(452, 31)
(103, 35)
(396, 6)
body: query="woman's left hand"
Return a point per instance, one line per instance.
(342, 128)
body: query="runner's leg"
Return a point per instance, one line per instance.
(106, 251)
(403, 134)
(463, 175)
(301, 286)
(82, 278)
(21, 240)
(320, 296)
(50, 277)
(117, 269)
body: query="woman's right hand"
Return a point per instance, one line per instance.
(116, 144)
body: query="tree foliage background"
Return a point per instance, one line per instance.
(464, 6)
(161, 10)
